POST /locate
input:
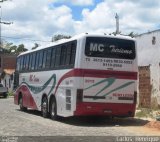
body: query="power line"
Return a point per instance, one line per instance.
(25, 39)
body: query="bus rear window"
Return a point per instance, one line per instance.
(110, 48)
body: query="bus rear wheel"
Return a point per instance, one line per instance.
(53, 109)
(22, 108)
(44, 107)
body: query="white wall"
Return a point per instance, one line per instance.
(155, 81)
(149, 54)
(6, 81)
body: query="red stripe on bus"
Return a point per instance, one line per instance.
(97, 74)
(28, 100)
(108, 109)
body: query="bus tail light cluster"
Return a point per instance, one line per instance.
(68, 99)
(79, 95)
(135, 97)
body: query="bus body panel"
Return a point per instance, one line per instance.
(107, 86)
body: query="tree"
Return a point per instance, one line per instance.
(8, 47)
(21, 48)
(132, 34)
(58, 37)
(35, 46)
(114, 33)
(13, 49)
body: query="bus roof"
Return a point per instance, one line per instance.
(77, 37)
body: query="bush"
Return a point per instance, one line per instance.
(10, 93)
(144, 112)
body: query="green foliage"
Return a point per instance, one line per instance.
(132, 34)
(10, 93)
(7, 46)
(11, 48)
(144, 112)
(58, 37)
(21, 48)
(35, 46)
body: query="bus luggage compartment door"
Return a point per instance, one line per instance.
(111, 90)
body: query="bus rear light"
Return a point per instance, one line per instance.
(79, 95)
(68, 99)
(135, 97)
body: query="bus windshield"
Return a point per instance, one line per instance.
(110, 48)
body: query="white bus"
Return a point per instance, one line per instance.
(89, 74)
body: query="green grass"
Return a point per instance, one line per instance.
(144, 112)
(10, 93)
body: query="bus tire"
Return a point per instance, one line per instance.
(21, 107)
(44, 107)
(53, 109)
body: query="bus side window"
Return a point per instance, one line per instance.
(21, 63)
(63, 55)
(27, 62)
(24, 63)
(68, 55)
(40, 60)
(53, 57)
(37, 60)
(33, 61)
(44, 59)
(18, 64)
(58, 53)
(73, 53)
(48, 58)
(30, 61)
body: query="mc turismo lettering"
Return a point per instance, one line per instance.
(120, 50)
(96, 47)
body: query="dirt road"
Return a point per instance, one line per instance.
(17, 123)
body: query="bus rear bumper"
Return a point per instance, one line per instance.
(105, 109)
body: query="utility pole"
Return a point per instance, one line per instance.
(2, 22)
(117, 23)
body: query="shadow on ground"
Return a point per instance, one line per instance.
(32, 112)
(95, 121)
(101, 121)
(1, 97)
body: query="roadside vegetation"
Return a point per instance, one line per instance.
(10, 93)
(144, 112)
(148, 113)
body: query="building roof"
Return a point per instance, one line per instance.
(8, 62)
(149, 32)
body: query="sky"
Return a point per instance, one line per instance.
(37, 21)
